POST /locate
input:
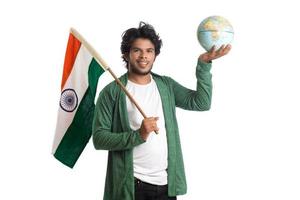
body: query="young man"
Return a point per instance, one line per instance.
(144, 165)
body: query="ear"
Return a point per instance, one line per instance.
(125, 56)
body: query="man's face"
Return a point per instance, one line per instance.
(141, 56)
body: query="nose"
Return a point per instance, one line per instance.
(143, 55)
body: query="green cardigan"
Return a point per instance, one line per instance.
(111, 131)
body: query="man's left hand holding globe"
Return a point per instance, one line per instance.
(214, 54)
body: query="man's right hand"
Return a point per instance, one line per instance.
(148, 125)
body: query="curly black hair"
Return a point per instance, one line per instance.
(143, 31)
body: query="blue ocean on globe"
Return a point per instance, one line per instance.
(214, 30)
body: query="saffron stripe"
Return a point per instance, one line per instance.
(73, 47)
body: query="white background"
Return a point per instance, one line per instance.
(246, 147)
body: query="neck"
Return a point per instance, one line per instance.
(139, 79)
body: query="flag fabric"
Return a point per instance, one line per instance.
(76, 107)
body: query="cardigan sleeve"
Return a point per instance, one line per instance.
(103, 137)
(199, 100)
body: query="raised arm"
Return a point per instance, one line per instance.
(201, 98)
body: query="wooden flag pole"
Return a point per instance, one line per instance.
(106, 67)
(90, 48)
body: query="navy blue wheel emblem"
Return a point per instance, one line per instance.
(68, 100)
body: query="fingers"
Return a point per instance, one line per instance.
(227, 49)
(148, 125)
(213, 49)
(151, 124)
(223, 50)
(214, 53)
(151, 119)
(220, 50)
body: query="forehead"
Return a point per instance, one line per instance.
(142, 43)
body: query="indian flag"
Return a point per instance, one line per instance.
(82, 69)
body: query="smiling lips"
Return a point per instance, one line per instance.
(142, 63)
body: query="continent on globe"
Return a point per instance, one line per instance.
(214, 30)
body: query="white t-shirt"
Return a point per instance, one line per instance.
(150, 159)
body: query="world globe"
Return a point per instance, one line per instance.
(214, 30)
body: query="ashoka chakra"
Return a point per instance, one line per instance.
(68, 100)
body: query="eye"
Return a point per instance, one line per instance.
(150, 50)
(135, 50)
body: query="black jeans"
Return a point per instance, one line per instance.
(147, 191)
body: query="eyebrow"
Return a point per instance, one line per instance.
(141, 49)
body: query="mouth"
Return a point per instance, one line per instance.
(143, 63)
